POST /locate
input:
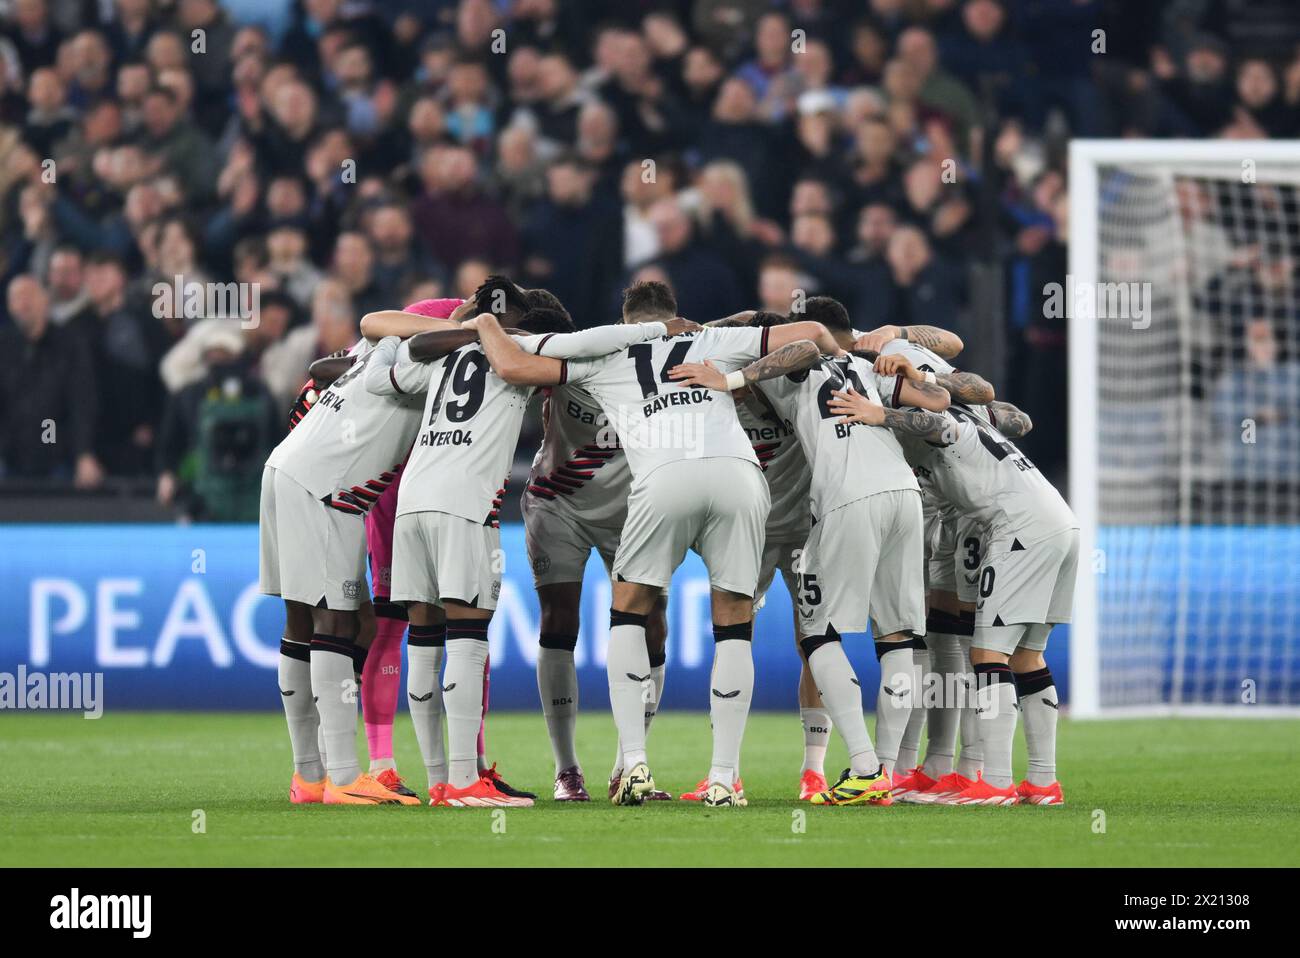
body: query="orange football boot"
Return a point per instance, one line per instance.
(364, 790)
(303, 792)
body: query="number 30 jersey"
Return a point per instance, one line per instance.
(984, 476)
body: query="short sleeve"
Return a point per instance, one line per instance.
(731, 347)
(889, 388)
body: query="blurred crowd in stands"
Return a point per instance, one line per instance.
(299, 163)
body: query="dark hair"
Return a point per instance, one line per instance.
(650, 298)
(829, 312)
(764, 318)
(544, 299)
(540, 320)
(516, 302)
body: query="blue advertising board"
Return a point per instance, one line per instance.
(172, 617)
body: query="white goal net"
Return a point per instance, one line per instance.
(1185, 425)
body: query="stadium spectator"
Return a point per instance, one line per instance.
(376, 149)
(48, 393)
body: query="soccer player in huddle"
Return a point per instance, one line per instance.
(863, 558)
(575, 500)
(1026, 586)
(316, 488)
(785, 467)
(447, 561)
(696, 484)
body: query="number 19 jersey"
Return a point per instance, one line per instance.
(465, 445)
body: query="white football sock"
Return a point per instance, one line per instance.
(816, 733)
(627, 666)
(731, 691)
(842, 694)
(996, 695)
(557, 685)
(971, 761)
(299, 709)
(943, 715)
(1040, 707)
(462, 698)
(424, 697)
(909, 747)
(894, 700)
(334, 686)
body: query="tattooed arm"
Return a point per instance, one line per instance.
(941, 342)
(1008, 420)
(790, 358)
(968, 388)
(920, 423)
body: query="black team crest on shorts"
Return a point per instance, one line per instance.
(352, 588)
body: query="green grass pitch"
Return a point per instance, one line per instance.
(126, 790)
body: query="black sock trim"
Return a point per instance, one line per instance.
(359, 658)
(884, 648)
(385, 609)
(917, 642)
(468, 629)
(562, 641)
(741, 630)
(1027, 683)
(618, 617)
(658, 658)
(295, 650)
(427, 636)
(321, 642)
(810, 644)
(993, 673)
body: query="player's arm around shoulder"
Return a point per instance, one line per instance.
(913, 387)
(942, 342)
(512, 363)
(603, 340)
(853, 407)
(390, 371)
(791, 358)
(393, 322)
(1009, 420)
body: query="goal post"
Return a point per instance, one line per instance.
(1184, 257)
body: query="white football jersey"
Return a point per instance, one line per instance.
(351, 444)
(849, 461)
(785, 468)
(472, 419)
(984, 476)
(659, 420)
(580, 466)
(920, 357)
